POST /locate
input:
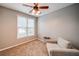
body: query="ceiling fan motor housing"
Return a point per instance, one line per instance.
(35, 8)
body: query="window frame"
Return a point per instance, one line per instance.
(27, 28)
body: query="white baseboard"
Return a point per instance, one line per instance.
(16, 45)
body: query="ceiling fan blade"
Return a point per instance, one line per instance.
(30, 11)
(43, 7)
(27, 5)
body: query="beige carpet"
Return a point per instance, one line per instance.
(33, 48)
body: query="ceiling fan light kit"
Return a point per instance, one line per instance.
(36, 12)
(36, 8)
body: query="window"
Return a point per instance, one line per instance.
(25, 26)
(30, 27)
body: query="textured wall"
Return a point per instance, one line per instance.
(62, 23)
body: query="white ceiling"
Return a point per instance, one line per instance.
(19, 7)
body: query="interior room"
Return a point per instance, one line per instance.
(39, 29)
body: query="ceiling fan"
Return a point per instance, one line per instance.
(36, 8)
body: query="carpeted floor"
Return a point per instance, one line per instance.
(33, 48)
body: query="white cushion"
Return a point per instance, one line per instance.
(64, 43)
(51, 46)
(65, 52)
(55, 49)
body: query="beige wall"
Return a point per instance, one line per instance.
(8, 27)
(62, 23)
